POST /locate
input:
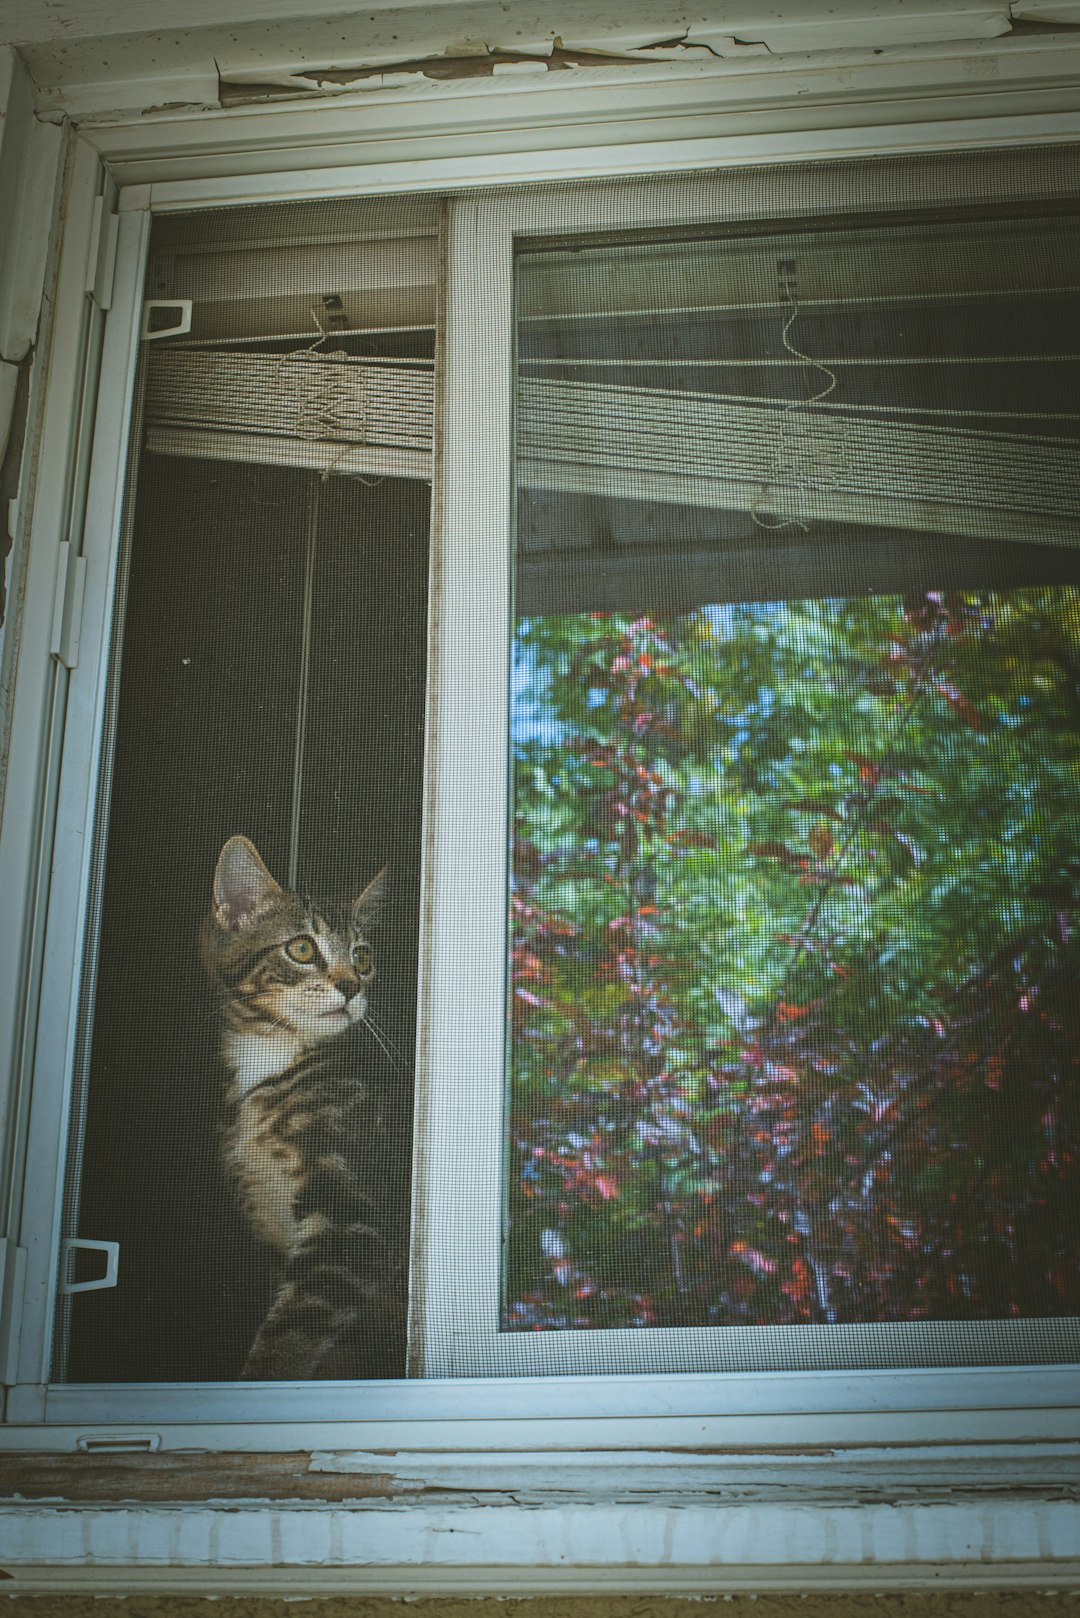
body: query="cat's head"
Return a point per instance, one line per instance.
(281, 963)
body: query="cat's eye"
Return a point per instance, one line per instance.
(301, 950)
(362, 957)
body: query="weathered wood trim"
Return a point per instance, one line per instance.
(806, 1473)
(179, 1476)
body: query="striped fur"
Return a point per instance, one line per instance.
(316, 1138)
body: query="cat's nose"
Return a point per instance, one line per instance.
(348, 987)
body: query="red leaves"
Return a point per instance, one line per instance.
(687, 837)
(869, 772)
(798, 1286)
(961, 706)
(527, 965)
(636, 920)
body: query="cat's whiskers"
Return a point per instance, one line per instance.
(383, 1040)
(278, 1022)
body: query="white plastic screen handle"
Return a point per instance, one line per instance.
(181, 323)
(74, 1244)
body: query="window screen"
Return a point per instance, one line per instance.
(242, 1133)
(793, 1031)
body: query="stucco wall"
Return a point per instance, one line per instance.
(821, 1604)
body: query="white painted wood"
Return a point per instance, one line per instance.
(47, 493)
(789, 28)
(791, 1475)
(454, 26)
(409, 1546)
(72, 849)
(605, 121)
(9, 382)
(12, 1271)
(602, 125)
(28, 20)
(1049, 11)
(625, 1579)
(29, 155)
(127, 79)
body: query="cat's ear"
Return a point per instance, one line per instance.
(242, 884)
(369, 904)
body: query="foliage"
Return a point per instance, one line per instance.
(795, 1031)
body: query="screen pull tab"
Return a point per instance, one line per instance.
(78, 1244)
(165, 317)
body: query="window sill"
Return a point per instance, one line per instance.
(404, 1523)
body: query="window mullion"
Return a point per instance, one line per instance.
(460, 1148)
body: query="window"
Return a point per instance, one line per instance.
(794, 743)
(744, 1042)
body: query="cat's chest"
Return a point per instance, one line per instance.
(255, 1057)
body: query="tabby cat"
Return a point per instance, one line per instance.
(316, 1139)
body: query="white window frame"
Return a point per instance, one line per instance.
(1003, 1405)
(468, 878)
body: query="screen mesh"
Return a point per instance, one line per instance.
(795, 735)
(251, 1161)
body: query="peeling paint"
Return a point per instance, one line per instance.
(412, 49)
(807, 1475)
(13, 415)
(454, 63)
(794, 36)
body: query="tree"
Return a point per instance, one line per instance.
(794, 961)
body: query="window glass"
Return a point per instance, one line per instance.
(793, 1033)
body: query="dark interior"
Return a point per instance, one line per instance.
(205, 745)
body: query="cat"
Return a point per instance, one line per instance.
(316, 1139)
